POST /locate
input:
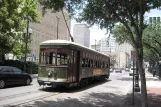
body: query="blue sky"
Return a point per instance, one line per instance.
(96, 33)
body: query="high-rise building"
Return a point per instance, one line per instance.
(47, 29)
(81, 34)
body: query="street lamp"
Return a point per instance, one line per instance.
(27, 33)
(57, 25)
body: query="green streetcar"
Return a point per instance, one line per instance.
(65, 63)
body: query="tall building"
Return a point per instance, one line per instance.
(81, 34)
(108, 45)
(47, 29)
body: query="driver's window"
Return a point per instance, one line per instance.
(17, 71)
(8, 70)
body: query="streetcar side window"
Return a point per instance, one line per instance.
(106, 64)
(58, 59)
(83, 62)
(91, 63)
(53, 59)
(103, 64)
(86, 63)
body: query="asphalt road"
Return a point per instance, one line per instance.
(118, 83)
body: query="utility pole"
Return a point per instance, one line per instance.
(57, 25)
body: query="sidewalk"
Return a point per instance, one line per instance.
(34, 75)
(153, 91)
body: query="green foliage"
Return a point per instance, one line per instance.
(57, 5)
(13, 15)
(151, 40)
(121, 34)
(31, 66)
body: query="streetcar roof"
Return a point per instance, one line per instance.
(65, 42)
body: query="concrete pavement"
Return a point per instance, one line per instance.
(108, 93)
(153, 91)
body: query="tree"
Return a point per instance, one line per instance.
(151, 40)
(13, 20)
(107, 13)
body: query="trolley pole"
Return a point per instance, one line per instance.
(57, 25)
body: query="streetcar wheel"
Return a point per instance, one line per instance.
(28, 81)
(2, 84)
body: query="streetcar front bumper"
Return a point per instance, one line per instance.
(52, 82)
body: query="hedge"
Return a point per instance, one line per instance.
(32, 67)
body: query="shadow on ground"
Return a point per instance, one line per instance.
(91, 100)
(126, 78)
(73, 89)
(153, 100)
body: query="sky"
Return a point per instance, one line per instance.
(97, 34)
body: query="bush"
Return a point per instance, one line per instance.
(32, 68)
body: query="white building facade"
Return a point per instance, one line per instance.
(108, 45)
(125, 47)
(81, 34)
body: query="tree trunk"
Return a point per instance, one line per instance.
(143, 81)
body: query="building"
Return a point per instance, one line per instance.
(154, 20)
(123, 60)
(47, 30)
(81, 34)
(124, 47)
(96, 46)
(108, 45)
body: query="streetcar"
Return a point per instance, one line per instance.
(65, 63)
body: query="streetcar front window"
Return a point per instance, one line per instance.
(53, 57)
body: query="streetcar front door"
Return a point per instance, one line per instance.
(73, 66)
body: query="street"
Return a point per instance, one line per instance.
(97, 94)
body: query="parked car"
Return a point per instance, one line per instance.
(12, 75)
(118, 70)
(111, 70)
(127, 69)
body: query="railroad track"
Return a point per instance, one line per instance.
(22, 102)
(21, 98)
(17, 95)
